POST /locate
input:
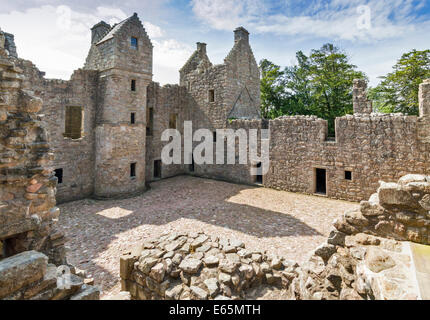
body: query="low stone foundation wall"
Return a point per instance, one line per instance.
(28, 276)
(195, 266)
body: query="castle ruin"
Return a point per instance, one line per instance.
(98, 135)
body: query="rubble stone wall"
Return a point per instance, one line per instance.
(372, 147)
(27, 193)
(183, 267)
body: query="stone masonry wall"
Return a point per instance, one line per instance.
(27, 199)
(164, 102)
(194, 266)
(80, 91)
(27, 193)
(372, 147)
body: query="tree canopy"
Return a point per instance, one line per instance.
(319, 84)
(398, 91)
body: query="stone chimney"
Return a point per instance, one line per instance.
(424, 99)
(201, 47)
(241, 34)
(359, 96)
(99, 31)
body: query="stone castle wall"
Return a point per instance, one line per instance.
(57, 95)
(370, 146)
(30, 247)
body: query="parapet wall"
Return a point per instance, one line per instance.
(371, 147)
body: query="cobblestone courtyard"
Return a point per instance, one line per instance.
(280, 222)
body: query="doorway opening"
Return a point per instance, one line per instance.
(321, 181)
(157, 169)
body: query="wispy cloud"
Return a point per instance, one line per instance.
(57, 39)
(329, 19)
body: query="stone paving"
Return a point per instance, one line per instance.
(283, 223)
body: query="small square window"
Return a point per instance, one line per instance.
(134, 43)
(133, 118)
(133, 170)
(211, 95)
(133, 85)
(348, 175)
(59, 175)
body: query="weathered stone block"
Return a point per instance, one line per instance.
(21, 270)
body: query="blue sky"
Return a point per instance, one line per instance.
(55, 34)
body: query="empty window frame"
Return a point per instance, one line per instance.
(74, 122)
(134, 43)
(348, 175)
(211, 95)
(59, 175)
(133, 170)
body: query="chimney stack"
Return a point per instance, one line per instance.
(241, 34)
(201, 47)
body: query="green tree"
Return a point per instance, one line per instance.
(319, 84)
(272, 88)
(398, 91)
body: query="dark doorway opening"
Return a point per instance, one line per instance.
(192, 164)
(321, 182)
(259, 177)
(59, 175)
(157, 169)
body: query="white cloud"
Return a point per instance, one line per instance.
(334, 19)
(57, 40)
(153, 30)
(169, 56)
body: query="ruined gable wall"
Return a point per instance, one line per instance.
(242, 72)
(74, 156)
(372, 147)
(164, 101)
(27, 193)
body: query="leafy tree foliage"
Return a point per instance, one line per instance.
(319, 84)
(398, 91)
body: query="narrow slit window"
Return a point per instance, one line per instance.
(74, 122)
(133, 118)
(133, 170)
(134, 43)
(133, 85)
(211, 95)
(59, 175)
(150, 120)
(214, 136)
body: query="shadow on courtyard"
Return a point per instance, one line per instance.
(88, 221)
